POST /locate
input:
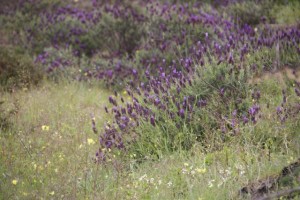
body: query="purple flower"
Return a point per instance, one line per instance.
(222, 91)
(234, 113)
(279, 110)
(245, 119)
(201, 103)
(157, 101)
(178, 89)
(152, 121)
(134, 72)
(112, 101)
(181, 113)
(230, 59)
(253, 111)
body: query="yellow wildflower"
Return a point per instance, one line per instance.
(90, 141)
(14, 182)
(45, 128)
(201, 171)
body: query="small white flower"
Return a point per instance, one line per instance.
(228, 172)
(159, 182)
(169, 184)
(151, 180)
(210, 183)
(143, 177)
(184, 171)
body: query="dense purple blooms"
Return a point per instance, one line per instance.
(225, 40)
(254, 110)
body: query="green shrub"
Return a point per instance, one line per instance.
(286, 13)
(182, 133)
(119, 35)
(17, 70)
(247, 12)
(7, 6)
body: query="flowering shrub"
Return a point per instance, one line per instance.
(205, 90)
(186, 67)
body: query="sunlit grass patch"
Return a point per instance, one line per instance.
(51, 145)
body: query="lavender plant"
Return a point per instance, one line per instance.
(186, 68)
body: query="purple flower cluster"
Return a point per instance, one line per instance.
(51, 62)
(162, 94)
(183, 30)
(159, 67)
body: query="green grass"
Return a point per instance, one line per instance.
(49, 149)
(48, 153)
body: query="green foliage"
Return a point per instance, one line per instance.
(278, 12)
(26, 17)
(52, 154)
(67, 66)
(8, 6)
(5, 123)
(17, 69)
(272, 59)
(121, 35)
(34, 9)
(246, 12)
(181, 134)
(41, 147)
(286, 13)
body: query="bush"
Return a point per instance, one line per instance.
(17, 69)
(119, 35)
(247, 12)
(8, 6)
(211, 98)
(286, 13)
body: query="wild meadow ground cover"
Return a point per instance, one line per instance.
(149, 99)
(50, 153)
